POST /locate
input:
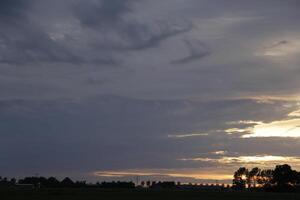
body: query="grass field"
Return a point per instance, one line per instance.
(93, 194)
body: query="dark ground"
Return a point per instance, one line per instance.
(93, 194)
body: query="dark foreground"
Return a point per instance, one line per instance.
(91, 194)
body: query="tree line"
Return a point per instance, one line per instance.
(282, 178)
(52, 182)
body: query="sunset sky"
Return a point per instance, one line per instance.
(185, 90)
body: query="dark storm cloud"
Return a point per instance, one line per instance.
(264, 8)
(23, 41)
(103, 13)
(196, 50)
(144, 37)
(135, 36)
(27, 44)
(13, 8)
(110, 19)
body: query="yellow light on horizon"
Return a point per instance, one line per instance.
(194, 174)
(284, 128)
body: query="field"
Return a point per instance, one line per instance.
(95, 194)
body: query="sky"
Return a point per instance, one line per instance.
(185, 90)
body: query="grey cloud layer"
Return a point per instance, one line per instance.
(58, 58)
(80, 135)
(218, 43)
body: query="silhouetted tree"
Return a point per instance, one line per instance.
(67, 182)
(118, 185)
(239, 178)
(164, 185)
(148, 183)
(265, 177)
(282, 178)
(13, 181)
(283, 175)
(52, 182)
(252, 177)
(5, 183)
(80, 184)
(36, 181)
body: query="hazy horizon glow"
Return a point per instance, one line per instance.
(188, 174)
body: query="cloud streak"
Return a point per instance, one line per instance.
(172, 173)
(267, 160)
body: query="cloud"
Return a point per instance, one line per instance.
(102, 13)
(135, 36)
(67, 35)
(283, 128)
(280, 43)
(188, 135)
(196, 49)
(195, 174)
(120, 32)
(294, 114)
(23, 41)
(29, 45)
(287, 127)
(283, 48)
(12, 9)
(244, 122)
(83, 79)
(220, 152)
(259, 160)
(44, 124)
